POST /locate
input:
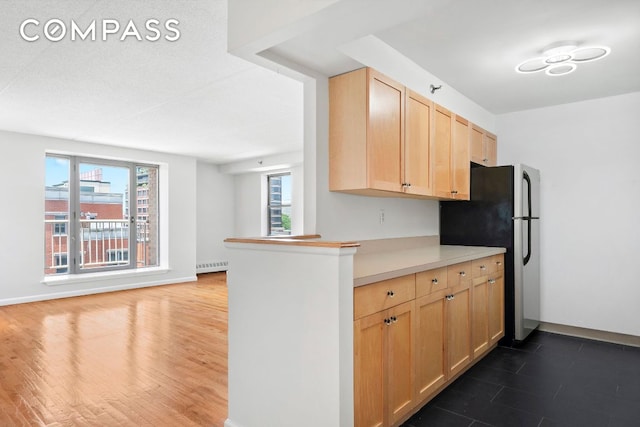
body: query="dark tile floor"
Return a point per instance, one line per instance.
(549, 381)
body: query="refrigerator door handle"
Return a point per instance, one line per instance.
(527, 179)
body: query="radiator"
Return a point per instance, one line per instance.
(209, 267)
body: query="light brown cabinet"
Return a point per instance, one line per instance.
(387, 140)
(379, 136)
(443, 346)
(483, 147)
(415, 334)
(488, 303)
(458, 318)
(431, 333)
(418, 148)
(451, 157)
(496, 301)
(384, 390)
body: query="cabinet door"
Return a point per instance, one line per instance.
(461, 172)
(385, 133)
(442, 148)
(431, 364)
(417, 145)
(477, 145)
(491, 149)
(459, 328)
(400, 360)
(480, 316)
(369, 351)
(496, 308)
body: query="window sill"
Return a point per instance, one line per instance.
(70, 279)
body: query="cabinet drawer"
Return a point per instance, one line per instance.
(483, 266)
(498, 262)
(458, 273)
(379, 296)
(431, 281)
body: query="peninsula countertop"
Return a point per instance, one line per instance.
(374, 266)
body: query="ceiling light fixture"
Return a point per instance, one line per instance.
(562, 58)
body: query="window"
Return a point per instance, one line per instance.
(279, 204)
(87, 222)
(60, 262)
(118, 255)
(60, 225)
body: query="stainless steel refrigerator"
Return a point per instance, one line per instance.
(504, 211)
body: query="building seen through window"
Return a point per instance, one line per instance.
(279, 204)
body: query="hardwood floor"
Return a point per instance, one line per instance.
(154, 356)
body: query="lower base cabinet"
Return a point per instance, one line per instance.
(488, 303)
(383, 366)
(405, 354)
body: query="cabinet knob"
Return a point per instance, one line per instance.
(483, 267)
(462, 273)
(485, 160)
(434, 281)
(454, 191)
(498, 262)
(387, 322)
(390, 294)
(492, 281)
(450, 297)
(394, 319)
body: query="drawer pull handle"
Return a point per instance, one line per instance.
(454, 191)
(434, 281)
(394, 319)
(498, 262)
(390, 294)
(462, 273)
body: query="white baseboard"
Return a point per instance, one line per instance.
(91, 291)
(574, 331)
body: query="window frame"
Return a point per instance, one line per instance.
(73, 228)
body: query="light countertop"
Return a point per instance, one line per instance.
(382, 265)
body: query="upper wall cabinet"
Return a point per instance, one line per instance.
(379, 136)
(386, 140)
(452, 170)
(484, 147)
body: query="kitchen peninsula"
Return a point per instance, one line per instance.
(300, 309)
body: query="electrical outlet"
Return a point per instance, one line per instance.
(381, 216)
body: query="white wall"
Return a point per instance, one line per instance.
(215, 212)
(588, 155)
(22, 173)
(248, 204)
(290, 336)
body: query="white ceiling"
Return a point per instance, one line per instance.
(474, 46)
(192, 97)
(189, 96)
